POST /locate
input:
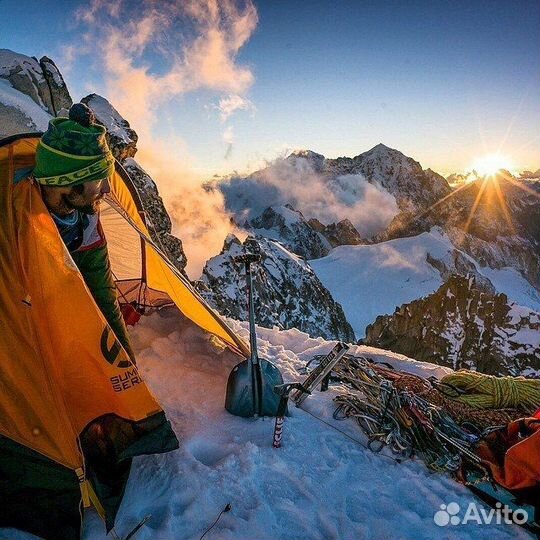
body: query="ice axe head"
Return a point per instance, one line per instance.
(247, 258)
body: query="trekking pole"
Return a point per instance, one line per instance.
(284, 391)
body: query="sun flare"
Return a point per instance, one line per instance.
(490, 164)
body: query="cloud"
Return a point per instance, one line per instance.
(228, 138)
(229, 105)
(151, 52)
(298, 182)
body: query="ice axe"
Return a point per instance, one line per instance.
(284, 391)
(250, 388)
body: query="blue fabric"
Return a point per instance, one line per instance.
(72, 230)
(21, 174)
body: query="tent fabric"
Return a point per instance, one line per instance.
(159, 274)
(62, 368)
(71, 400)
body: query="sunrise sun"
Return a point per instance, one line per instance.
(490, 164)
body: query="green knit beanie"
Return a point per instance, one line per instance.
(70, 153)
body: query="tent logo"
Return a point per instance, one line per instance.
(114, 354)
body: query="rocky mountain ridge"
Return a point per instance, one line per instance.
(413, 187)
(287, 292)
(31, 92)
(461, 325)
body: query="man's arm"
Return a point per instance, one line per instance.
(95, 268)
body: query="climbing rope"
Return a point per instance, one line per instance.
(488, 392)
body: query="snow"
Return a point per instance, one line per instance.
(13, 98)
(53, 70)
(320, 485)
(290, 217)
(372, 280)
(510, 282)
(11, 61)
(110, 117)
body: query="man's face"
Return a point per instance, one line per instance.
(86, 197)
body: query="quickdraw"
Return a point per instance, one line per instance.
(390, 409)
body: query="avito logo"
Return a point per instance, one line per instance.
(449, 515)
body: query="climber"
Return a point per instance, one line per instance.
(73, 167)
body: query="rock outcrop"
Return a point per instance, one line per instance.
(122, 140)
(463, 326)
(342, 233)
(288, 294)
(288, 226)
(31, 93)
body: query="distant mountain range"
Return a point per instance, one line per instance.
(346, 241)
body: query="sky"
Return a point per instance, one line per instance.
(227, 86)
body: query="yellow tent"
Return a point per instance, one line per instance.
(74, 410)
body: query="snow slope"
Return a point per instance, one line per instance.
(319, 485)
(372, 280)
(38, 119)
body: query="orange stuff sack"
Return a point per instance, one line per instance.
(512, 454)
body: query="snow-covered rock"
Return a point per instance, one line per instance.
(342, 233)
(121, 137)
(59, 93)
(288, 294)
(25, 80)
(463, 326)
(19, 113)
(371, 280)
(31, 93)
(288, 226)
(402, 176)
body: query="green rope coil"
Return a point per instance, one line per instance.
(488, 392)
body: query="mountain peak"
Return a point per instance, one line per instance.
(380, 146)
(307, 154)
(383, 150)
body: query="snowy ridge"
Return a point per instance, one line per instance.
(24, 65)
(288, 226)
(110, 118)
(373, 280)
(463, 326)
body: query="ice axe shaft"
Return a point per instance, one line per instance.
(256, 374)
(284, 391)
